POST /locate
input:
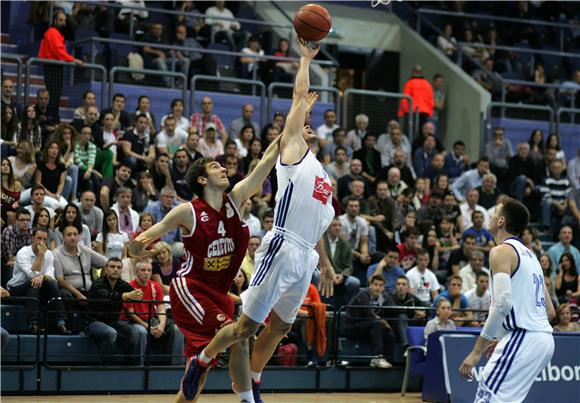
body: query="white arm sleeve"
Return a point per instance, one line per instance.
(500, 307)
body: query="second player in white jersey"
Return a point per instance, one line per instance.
(517, 332)
(528, 302)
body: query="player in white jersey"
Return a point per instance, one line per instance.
(286, 260)
(517, 332)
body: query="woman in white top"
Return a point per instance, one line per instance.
(177, 108)
(110, 135)
(253, 48)
(111, 242)
(447, 42)
(244, 139)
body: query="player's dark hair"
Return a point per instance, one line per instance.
(469, 236)
(454, 277)
(39, 229)
(268, 214)
(516, 215)
(481, 273)
(377, 277)
(113, 259)
(421, 252)
(394, 249)
(459, 143)
(338, 148)
(197, 169)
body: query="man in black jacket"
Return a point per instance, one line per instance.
(400, 319)
(105, 326)
(367, 324)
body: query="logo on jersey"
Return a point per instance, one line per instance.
(229, 211)
(220, 317)
(204, 216)
(322, 190)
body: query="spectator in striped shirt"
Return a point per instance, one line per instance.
(556, 188)
(200, 120)
(85, 156)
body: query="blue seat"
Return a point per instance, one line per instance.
(119, 52)
(416, 355)
(553, 64)
(222, 60)
(14, 318)
(78, 349)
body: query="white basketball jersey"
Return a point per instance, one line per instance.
(304, 200)
(528, 302)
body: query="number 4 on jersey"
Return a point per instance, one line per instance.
(221, 229)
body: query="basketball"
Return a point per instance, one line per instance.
(312, 22)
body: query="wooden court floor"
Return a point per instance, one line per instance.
(228, 398)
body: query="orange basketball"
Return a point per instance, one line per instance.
(312, 22)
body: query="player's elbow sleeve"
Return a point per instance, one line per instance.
(502, 293)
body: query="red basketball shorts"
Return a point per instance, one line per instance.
(199, 312)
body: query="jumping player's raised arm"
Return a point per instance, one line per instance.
(292, 145)
(250, 185)
(179, 216)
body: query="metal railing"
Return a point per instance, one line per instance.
(146, 72)
(241, 81)
(198, 50)
(507, 105)
(325, 90)
(557, 25)
(15, 58)
(520, 50)
(134, 9)
(572, 111)
(421, 19)
(559, 87)
(346, 109)
(87, 66)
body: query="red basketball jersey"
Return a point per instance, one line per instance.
(216, 246)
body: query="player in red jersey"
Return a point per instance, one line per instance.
(215, 242)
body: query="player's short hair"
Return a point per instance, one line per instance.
(481, 273)
(458, 143)
(338, 148)
(268, 214)
(377, 277)
(197, 169)
(516, 215)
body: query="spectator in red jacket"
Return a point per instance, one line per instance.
(53, 47)
(421, 92)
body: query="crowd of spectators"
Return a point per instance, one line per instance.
(410, 227)
(483, 39)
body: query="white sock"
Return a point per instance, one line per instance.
(256, 376)
(204, 358)
(247, 396)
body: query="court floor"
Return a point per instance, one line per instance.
(228, 398)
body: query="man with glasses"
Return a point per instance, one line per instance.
(200, 120)
(14, 238)
(34, 278)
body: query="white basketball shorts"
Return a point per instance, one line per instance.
(282, 274)
(515, 363)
